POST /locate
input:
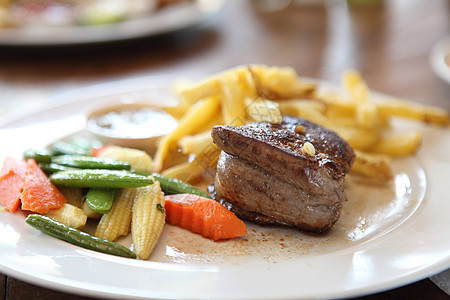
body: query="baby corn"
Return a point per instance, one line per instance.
(89, 212)
(148, 219)
(139, 159)
(73, 195)
(69, 215)
(118, 221)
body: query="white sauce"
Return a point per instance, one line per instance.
(133, 122)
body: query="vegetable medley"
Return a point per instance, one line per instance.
(64, 185)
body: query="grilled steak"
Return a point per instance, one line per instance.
(253, 189)
(267, 175)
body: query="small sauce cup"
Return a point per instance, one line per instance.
(133, 125)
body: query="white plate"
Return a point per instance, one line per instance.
(388, 236)
(169, 19)
(438, 56)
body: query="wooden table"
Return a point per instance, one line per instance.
(388, 43)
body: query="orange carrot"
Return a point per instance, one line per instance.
(38, 193)
(12, 178)
(204, 216)
(14, 164)
(96, 151)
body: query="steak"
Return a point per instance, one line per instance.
(266, 173)
(252, 189)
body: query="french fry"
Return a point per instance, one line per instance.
(307, 109)
(356, 86)
(316, 117)
(216, 120)
(296, 106)
(398, 145)
(177, 111)
(280, 83)
(358, 138)
(406, 109)
(366, 111)
(212, 86)
(367, 115)
(279, 80)
(233, 97)
(373, 166)
(195, 144)
(166, 145)
(336, 105)
(189, 124)
(205, 89)
(188, 171)
(262, 110)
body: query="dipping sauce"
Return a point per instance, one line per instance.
(132, 122)
(133, 125)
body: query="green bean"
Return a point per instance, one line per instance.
(89, 162)
(100, 200)
(100, 179)
(77, 237)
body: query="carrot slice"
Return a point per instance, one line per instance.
(13, 164)
(12, 178)
(97, 151)
(38, 193)
(203, 216)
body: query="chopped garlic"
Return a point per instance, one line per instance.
(309, 149)
(300, 129)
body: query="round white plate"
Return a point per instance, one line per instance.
(387, 236)
(169, 19)
(440, 58)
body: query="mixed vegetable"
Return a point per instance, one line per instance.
(63, 186)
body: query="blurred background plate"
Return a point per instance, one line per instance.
(170, 19)
(440, 58)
